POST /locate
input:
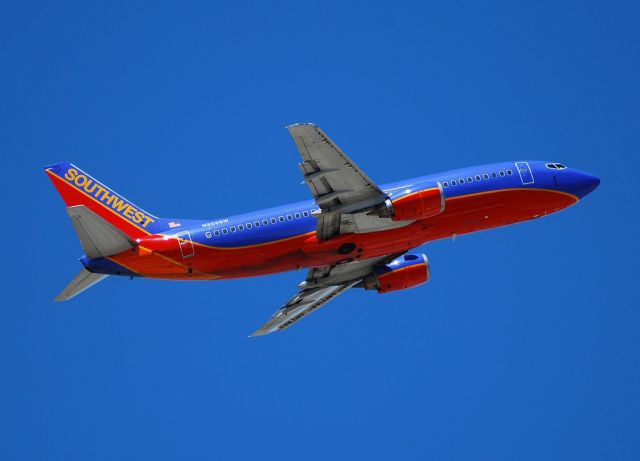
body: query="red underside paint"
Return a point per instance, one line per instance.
(407, 277)
(159, 258)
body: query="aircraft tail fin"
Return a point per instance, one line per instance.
(78, 188)
(80, 282)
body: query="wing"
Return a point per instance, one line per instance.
(338, 185)
(320, 287)
(80, 282)
(304, 303)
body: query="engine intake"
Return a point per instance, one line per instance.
(404, 272)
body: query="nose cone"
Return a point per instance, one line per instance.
(580, 183)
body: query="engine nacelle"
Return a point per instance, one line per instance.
(426, 202)
(404, 272)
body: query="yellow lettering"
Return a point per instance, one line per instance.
(71, 173)
(107, 197)
(80, 178)
(139, 217)
(128, 211)
(112, 200)
(100, 191)
(90, 189)
(117, 203)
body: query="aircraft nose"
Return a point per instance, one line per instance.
(580, 183)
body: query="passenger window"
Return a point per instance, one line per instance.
(298, 215)
(493, 175)
(445, 184)
(232, 228)
(289, 217)
(469, 179)
(249, 226)
(461, 181)
(453, 182)
(502, 173)
(240, 227)
(485, 176)
(225, 231)
(208, 234)
(265, 222)
(273, 220)
(509, 172)
(216, 232)
(281, 218)
(477, 177)
(257, 223)
(305, 214)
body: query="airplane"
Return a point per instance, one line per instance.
(353, 234)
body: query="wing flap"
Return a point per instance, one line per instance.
(303, 304)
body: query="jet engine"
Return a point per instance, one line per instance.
(427, 201)
(404, 272)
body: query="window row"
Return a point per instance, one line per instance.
(257, 223)
(485, 176)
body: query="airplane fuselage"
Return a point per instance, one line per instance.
(284, 238)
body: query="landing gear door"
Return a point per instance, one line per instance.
(186, 245)
(524, 170)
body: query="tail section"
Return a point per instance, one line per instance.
(98, 238)
(106, 223)
(81, 282)
(78, 188)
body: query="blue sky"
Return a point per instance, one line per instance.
(525, 343)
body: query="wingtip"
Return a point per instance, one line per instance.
(300, 124)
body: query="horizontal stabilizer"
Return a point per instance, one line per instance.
(80, 282)
(97, 236)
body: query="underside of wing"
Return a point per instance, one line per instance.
(321, 286)
(303, 304)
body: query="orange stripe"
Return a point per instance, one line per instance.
(110, 258)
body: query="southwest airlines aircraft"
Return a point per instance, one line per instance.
(353, 234)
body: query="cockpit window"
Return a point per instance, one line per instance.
(555, 166)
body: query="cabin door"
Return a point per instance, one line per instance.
(186, 245)
(524, 170)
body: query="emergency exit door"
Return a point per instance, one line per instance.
(186, 245)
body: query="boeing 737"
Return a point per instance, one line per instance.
(353, 234)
